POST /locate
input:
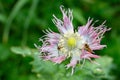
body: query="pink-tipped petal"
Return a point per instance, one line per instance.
(87, 55)
(65, 25)
(93, 35)
(58, 59)
(72, 63)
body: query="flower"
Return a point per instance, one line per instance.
(76, 45)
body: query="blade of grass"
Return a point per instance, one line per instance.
(27, 22)
(12, 15)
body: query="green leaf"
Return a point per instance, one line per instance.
(22, 51)
(40, 66)
(102, 69)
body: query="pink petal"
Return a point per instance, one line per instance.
(93, 35)
(97, 47)
(72, 63)
(58, 59)
(65, 25)
(86, 55)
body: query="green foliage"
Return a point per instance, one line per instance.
(23, 51)
(22, 22)
(45, 69)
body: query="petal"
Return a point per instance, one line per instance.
(97, 47)
(58, 59)
(75, 58)
(49, 48)
(53, 38)
(93, 35)
(72, 63)
(65, 25)
(83, 30)
(87, 55)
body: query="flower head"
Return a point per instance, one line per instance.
(76, 45)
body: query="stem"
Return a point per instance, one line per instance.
(14, 12)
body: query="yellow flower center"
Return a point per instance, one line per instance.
(71, 42)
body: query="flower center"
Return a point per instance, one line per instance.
(71, 42)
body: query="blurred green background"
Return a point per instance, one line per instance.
(22, 22)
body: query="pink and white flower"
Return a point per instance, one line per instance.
(77, 45)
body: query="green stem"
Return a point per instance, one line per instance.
(14, 12)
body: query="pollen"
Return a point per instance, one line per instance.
(71, 42)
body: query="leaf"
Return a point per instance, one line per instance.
(103, 69)
(22, 51)
(40, 66)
